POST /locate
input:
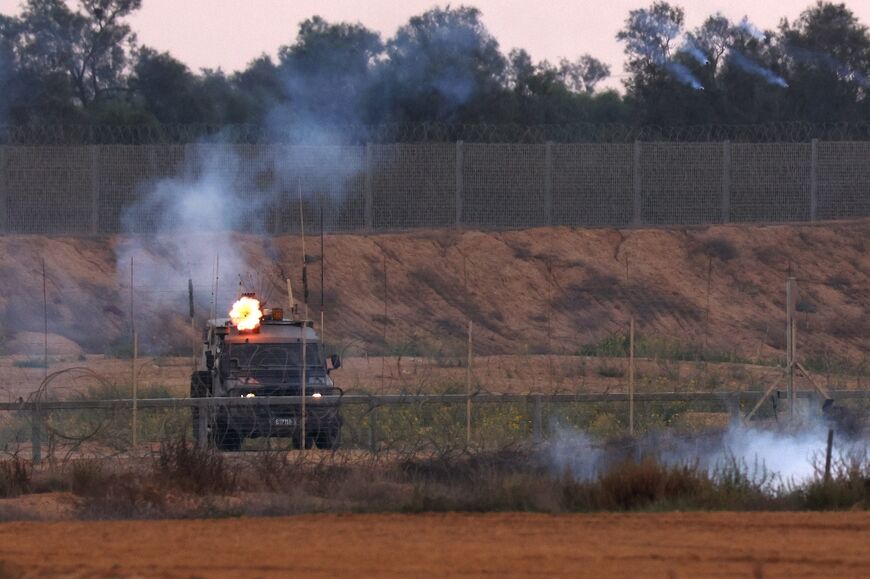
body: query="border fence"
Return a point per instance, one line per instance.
(417, 421)
(105, 189)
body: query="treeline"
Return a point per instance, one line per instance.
(82, 64)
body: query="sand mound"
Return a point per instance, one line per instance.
(32, 344)
(550, 290)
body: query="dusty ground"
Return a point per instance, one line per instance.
(627, 545)
(534, 291)
(499, 374)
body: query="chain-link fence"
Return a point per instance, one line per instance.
(103, 189)
(442, 334)
(324, 134)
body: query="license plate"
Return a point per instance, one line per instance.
(284, 421)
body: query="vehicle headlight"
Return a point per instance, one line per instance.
(316, 395)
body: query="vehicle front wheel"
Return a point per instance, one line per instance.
(329, 436)
(225, 438)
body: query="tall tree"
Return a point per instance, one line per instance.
(443, 65)
(326, 74)
(583, 74)
(828, 52)
(90, 46)
(661, 87)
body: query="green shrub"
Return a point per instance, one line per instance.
(15, 477)
(30, 363)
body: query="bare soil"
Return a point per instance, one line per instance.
(535, 291)
(505, 374)
(618, 545)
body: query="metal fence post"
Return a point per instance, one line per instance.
(548, 183)
(726, 181)
(636, 207)
(460, 161)
(733, 404)
(368, 188)
(814, 178)
(537, 419)
(36, 435)
(4, 179)
(95, 188)
(373, 427)
(202, 422)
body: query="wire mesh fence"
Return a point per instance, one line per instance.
(104, 189)
(562, 363)
(324, 134)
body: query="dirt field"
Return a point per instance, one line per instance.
(630, 545)
(527, 292)
(498, 374)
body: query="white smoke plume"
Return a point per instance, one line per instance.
(194, 216)
(751, 30)
(785, 457)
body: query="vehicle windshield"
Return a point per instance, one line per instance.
(248, 359)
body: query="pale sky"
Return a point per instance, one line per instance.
(230, 33)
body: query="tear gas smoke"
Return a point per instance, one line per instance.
(755, 69)
(195, 215)
(785, 457)
(842, 70)
(690, 48)
(751, 30)
(666, 31)
(683, 74)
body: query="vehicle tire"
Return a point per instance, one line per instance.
(200, 387)
(329, 436)
(297, 442)
(225, 438)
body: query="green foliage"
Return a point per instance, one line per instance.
(120, 347)
(30, 363)
(618, 345)
(15, 477)
(80, 63)
(610, 372)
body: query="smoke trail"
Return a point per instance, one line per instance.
(649, 26)
(690, 48)
(683, 74)
(842, 70)
(751, 30)
(755, 69)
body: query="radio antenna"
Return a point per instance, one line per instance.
(304, 362)
(322, 301)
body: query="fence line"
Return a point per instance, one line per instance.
(401, 399)
(106, 189)
(38, 409)
(427, 132)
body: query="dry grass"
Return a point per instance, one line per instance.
(181, 481)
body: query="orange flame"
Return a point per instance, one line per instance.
(246, 313)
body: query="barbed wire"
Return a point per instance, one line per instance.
(426, 133)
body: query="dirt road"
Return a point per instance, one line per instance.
(665, 545)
